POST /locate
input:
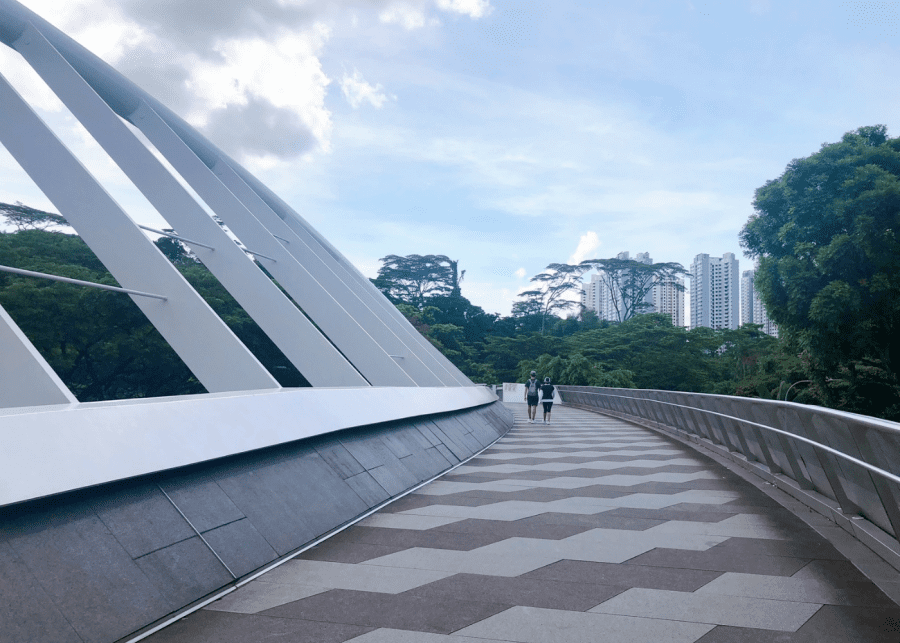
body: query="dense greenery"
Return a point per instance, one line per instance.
(824, 233)
(99, 342)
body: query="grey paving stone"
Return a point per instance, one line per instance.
(184, 572)
(347, 552)
(404, 538)
(722, 561)
(527, 591)
(208, 626)
(365, 577)
(202, 501)
(27, 613)
(852, 625)
(401, 611)
(593, 521)
(417, 501)
(625, 576)
(241, 547)
(671, 513)
(90, 577)
(142, 519)
(533, 527)
(750, 547)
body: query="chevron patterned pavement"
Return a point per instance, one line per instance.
(588, 529)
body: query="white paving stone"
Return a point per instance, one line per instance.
(537, 625)
(549, 455)
(365, 578)
(385, 635)
(737, 611)
(740, 525)
(599, 465)
(260, 595)
(779, 588)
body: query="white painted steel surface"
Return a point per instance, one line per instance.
(208, 347)
(26, 379)
(118, 440)
(285, 325)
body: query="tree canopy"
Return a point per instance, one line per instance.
(630, 282)
(414, 279)
(826, 236)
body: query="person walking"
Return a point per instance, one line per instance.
(532, 388)
(547, 395)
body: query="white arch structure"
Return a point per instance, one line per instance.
(347, 336)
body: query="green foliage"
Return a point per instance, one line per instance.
(825, 233)
(631, 282)
(99, 342)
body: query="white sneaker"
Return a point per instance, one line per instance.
(530, 421)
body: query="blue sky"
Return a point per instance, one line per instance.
(507, 134)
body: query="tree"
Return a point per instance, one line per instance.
(557, 281)
(415, 278)
(24, 217)
(630, 282)
(827, 236)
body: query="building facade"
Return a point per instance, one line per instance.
(665, 298)
(715, 291)
(753, 311)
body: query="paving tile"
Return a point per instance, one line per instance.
(840, 623)
(538, 625)
(347, 552)
(257, 596)
(363, 577)
(209, 626)
(671, 513)
(406, 521)
(388, 635)
(750, 547)
(414, 501)
(740, 611)
(722, 561)
(524, 590)
(625, 576)
(540, 526)
(834, 572)
(483, 560)
(404, 612)
(795, 589)
(439, 538)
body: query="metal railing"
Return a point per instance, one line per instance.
(853, 460)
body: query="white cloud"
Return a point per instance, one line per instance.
(587, 245)
(357, 91)
(406, 15)
(472, 8)
(520, 273)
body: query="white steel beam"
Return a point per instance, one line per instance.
(354, 342)
(208, 347)
(356, 282)
(319, 362)
(26, 378)
(408, 359)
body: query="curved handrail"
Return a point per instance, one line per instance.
(886, 474)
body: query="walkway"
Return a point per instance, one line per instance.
(589, 529)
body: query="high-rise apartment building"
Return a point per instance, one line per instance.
(747, 292)
(753, 311)
(715, 291)
(596, 295)
(668, 298)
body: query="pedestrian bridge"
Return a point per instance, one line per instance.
(393, 500)
(588, 529)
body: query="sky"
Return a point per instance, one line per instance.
(505, 134)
